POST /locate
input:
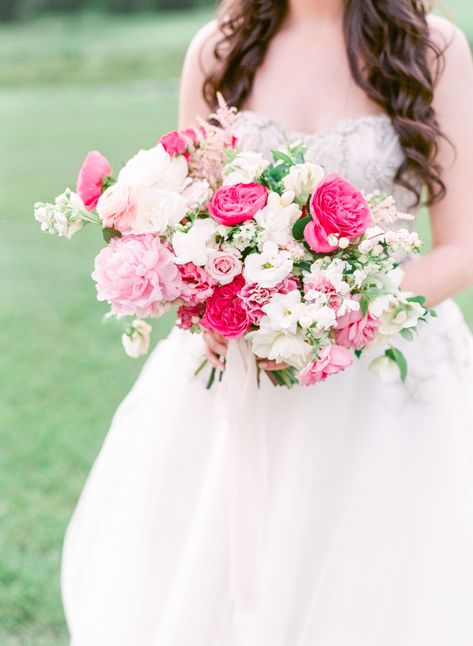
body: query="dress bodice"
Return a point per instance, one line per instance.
(363, 150)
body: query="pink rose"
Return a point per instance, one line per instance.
(234, 204)
(333, 359)
(92, 174)
(321, 284)
(223, 267)
(188, 316)
(336, 207)
(253, 297)
(178, 142)
(117, 207)
(355, 330)
(224, 312)
(289, 284)
(197, 285)
(136, 274)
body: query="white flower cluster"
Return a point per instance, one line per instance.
(63, 218)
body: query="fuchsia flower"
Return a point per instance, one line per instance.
(224, 312)
(94, 170)
(136, 274)
(333, 359)
(177, 142)
(336, 207)
(237, 203)
(197, 285)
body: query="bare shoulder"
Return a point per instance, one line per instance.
(199, 61)
(449, 38)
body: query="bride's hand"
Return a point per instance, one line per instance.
(265, 364)
(215, 348)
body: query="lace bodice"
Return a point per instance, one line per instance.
(364, 150)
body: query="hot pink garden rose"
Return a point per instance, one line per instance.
(118, 207)
(223, 267)
(235, 204)
(224, 312)
(355, 330)
(336, 207)
(93, 171)
(136, 274)
(197, 285)
(333, 359)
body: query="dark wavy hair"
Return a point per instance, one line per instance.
(388, 46)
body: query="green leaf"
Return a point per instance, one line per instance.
(364, 302)
(358, 353)
(280, 156)
(416, 299)
(109, 233)
(397, 356)
(407, 334)
(299, 226)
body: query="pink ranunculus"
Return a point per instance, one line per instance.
(235, 204)
(223, 267)
(136, 274)
(333, 359)
(174, 143)
(93, 171)
(321, 284)
(197, 285)
(355, 330)
(336, 207)
(224, 312)
(117, 206)
(189, 315)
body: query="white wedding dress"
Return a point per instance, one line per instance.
(336, 515)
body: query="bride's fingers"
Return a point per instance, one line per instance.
(213, 359)
(215, 344)
(272, 365)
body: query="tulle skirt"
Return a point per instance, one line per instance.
(335, 515)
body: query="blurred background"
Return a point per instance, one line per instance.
(74, 75)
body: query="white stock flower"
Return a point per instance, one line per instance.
(157, 210)
(155, 168)
(303, 179)
(196, 244)
(385, 368)
(283, 311)
(279, 346)
(269, 267)
(64, 217)
(322, 317)
(276, 219)
(396, 313)
(136, 340)
(245, 168)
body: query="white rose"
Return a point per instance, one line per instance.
(155, 168)
(279, 346)
(157, 210)
(276, 219)
(196, 244)
(136, 340)
(245, 168)
(385, 368)
(269, 267)
(283, 311)
(303, 179)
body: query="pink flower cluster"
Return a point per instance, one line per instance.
(333, 359)
(253, 297)
(197, 285)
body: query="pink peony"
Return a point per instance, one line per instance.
(355, 330)
(93, 171)
(336, 207)
(223, 267)
(321, 284)
(224, 312)
(118, 207)
(197, 285)
(235, 204)
(136, 274)
(189, 315)
(333, 359)
(253, 297)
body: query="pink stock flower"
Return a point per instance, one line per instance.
(336, 207)
(253, 297)
(321, 284)
(93, 171)
(333, 359)
(118, 207)
(197, 285)
(224, 312)
(189, 315)
(136, 274)
(355, 330)
(235, 204)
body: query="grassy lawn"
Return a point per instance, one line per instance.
(65, 87)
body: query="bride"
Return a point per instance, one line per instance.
(338, 515)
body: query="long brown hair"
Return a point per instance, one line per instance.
(388, 45)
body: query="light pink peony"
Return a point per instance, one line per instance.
(333, 359)
(321, 284)
(224, 312)
(336, 207)
(197, 285)
(93, 171)
(235, 204)
(253, 297)
(188, 316)
(355, 330)
(223, 267)
(136, 274)
(118, 207)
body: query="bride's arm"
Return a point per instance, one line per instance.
(448, 268)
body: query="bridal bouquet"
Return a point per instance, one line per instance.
(299, 263)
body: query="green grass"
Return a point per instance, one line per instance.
(63, 373)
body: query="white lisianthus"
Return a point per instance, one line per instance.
(245, 168)
(63, 218)
(196, 244)
(196, 192)
(157, 210)
(386, 369)
(283, 311)
(276, 219)
(269, 267)
(279, 346)
(155, 168)
(303, 179)
(136, 339)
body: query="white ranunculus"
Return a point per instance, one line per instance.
(136, 340)
(283, 311)
(386, 369)
(196, 193)
(279, 346)
(246, 167)
(269, 267)
(276, 219)
(155, 168)
(157, 210)
(303, 179)
(196, 244)
(64, 217)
